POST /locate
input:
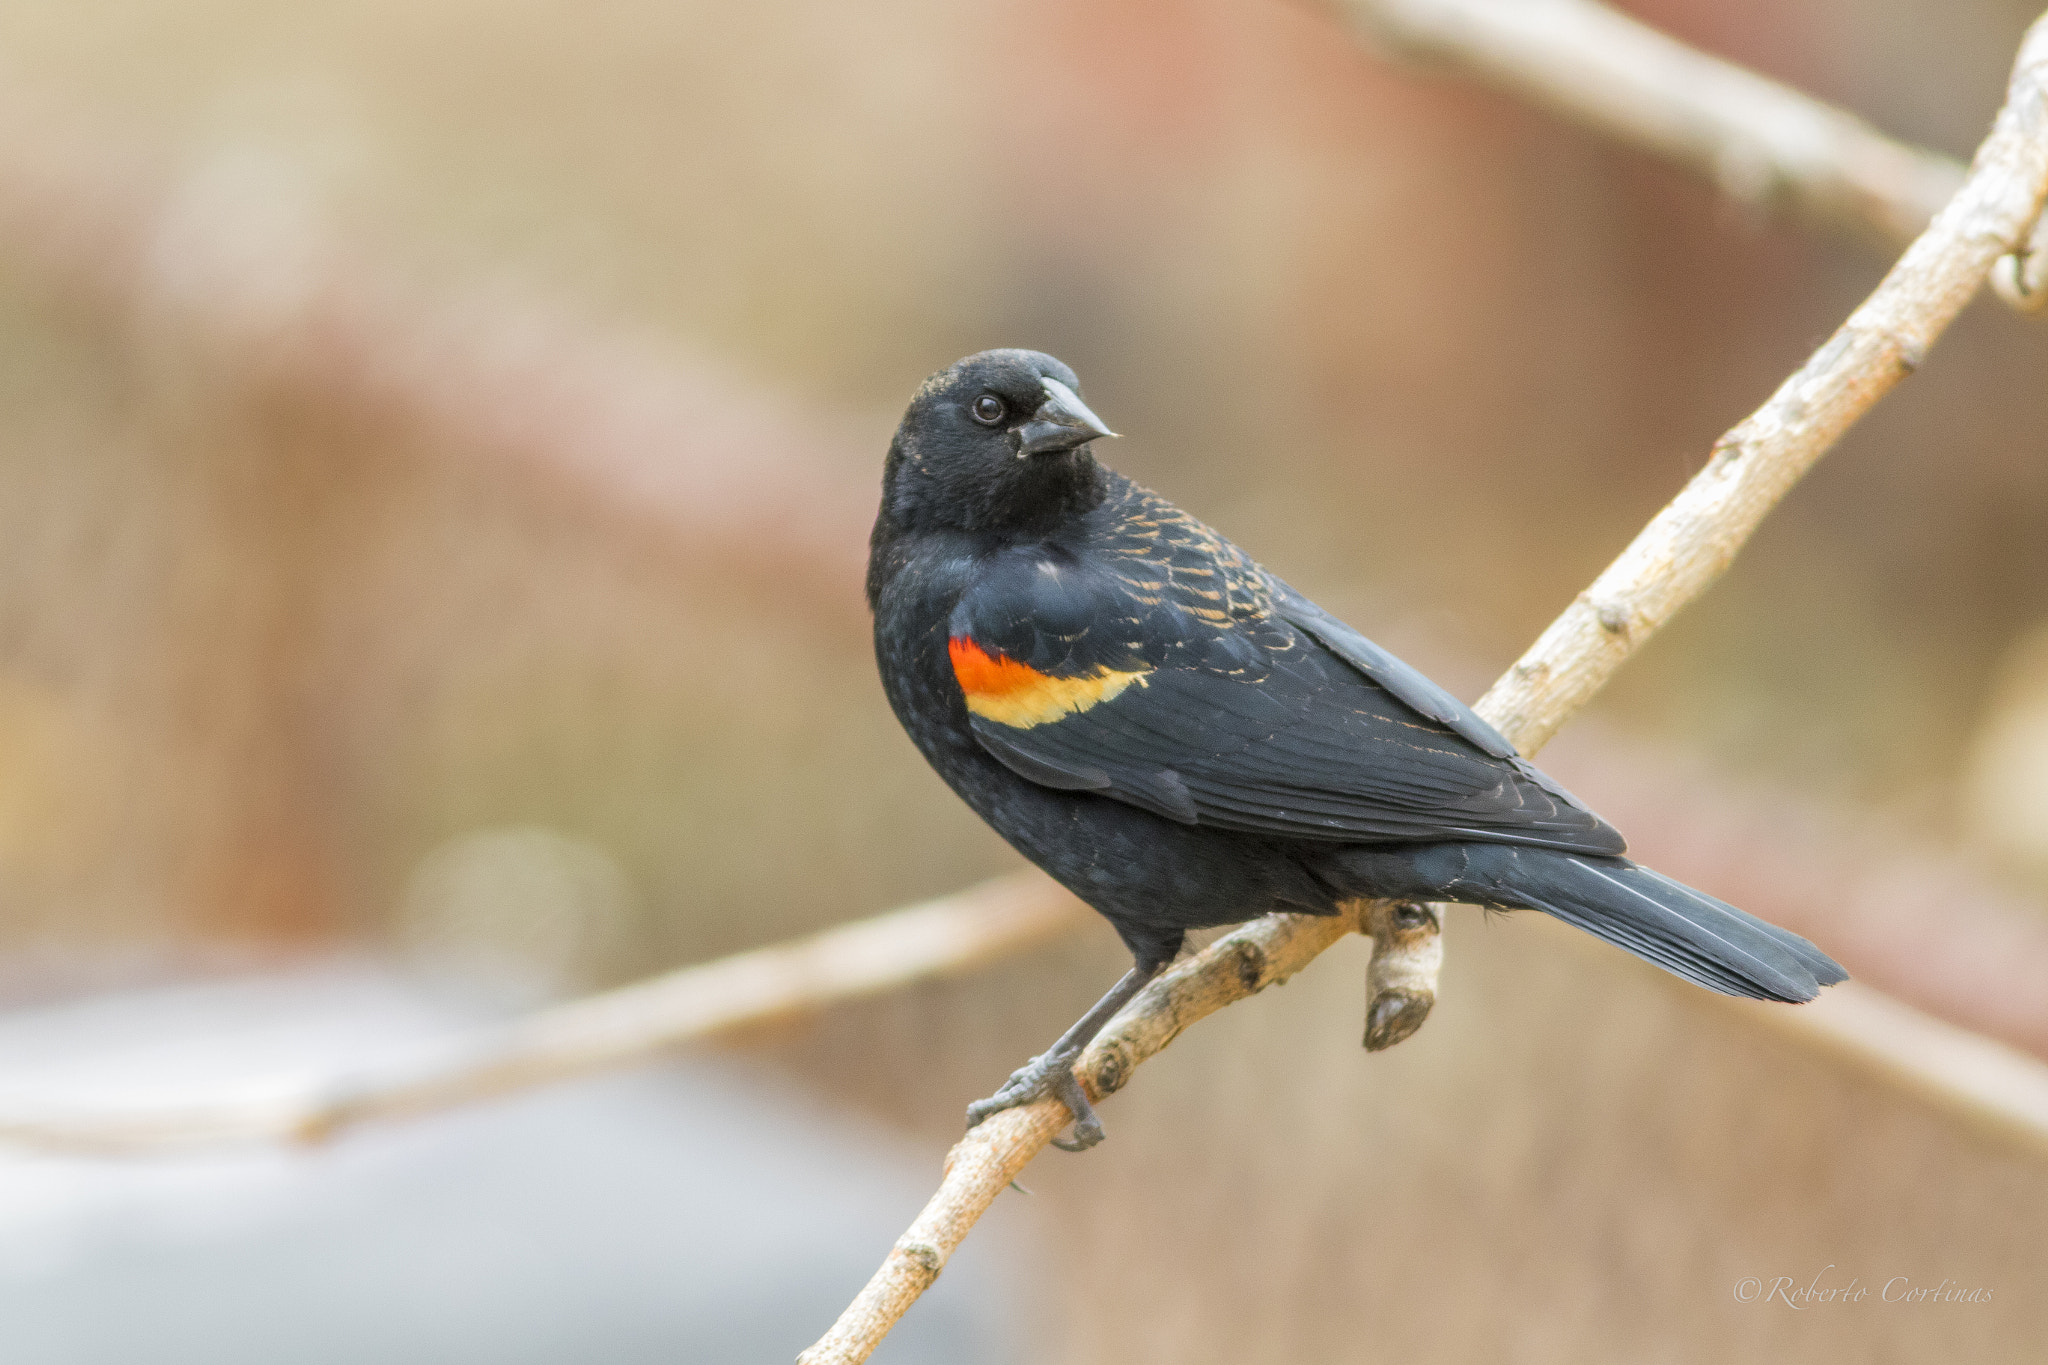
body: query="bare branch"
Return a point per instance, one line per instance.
(1761, 142)
(1675, 558)
(1980, 1083)
(955, 933)
(1400, 983)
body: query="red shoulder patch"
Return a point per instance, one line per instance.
(1001, 689)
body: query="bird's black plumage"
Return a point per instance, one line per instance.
(1183, 740)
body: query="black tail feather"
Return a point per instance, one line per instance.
(1826, 971)
(1660, 920)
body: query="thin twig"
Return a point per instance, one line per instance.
(1981, 1084)
(955, 933)
(1763, 143)
(1676, 557)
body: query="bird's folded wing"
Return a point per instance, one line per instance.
(1402, 679)
(1407, 683)
(1267, 730)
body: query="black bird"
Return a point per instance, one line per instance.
(1182, 740)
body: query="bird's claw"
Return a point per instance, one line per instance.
(1048, 1076)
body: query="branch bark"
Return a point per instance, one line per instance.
(955, 933)
(1675, 558)
(1763, 143)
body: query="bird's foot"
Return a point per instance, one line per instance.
(1048, 1076)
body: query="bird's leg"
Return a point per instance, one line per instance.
(1052, 1072)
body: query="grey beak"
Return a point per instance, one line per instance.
(1061, 423)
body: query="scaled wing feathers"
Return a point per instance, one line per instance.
(1161, 667)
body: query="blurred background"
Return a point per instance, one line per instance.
(440, 439)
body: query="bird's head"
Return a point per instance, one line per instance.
(994, 441)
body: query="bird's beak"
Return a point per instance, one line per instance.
(1061, 423)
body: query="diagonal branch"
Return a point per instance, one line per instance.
(1675, 558)
(1763, 143)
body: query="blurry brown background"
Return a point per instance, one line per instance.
(439, 442)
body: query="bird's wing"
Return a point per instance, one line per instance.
(1186, 681)
(1404, 680)
(1408, 684)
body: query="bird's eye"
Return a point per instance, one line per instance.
(988, 409)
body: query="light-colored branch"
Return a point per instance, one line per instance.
(1979, 1083)
(953, 934)
(1691, 541)
(1761, 142)
(1400, 982)
(1682, 551)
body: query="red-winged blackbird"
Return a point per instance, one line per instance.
(1183, 740)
